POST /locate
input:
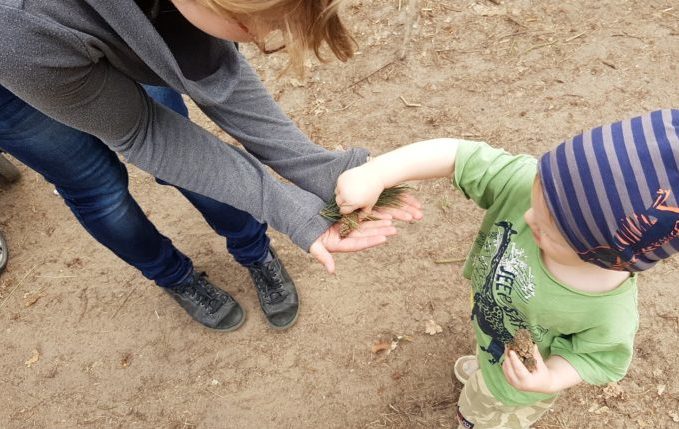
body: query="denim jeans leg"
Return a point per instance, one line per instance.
(246, 238)
(93, 183)
(168, 98)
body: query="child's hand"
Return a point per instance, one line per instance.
(358, 188)
(541, 380)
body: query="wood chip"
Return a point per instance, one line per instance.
(33, 359)
(408, 103)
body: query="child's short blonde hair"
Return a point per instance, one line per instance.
(306, 24)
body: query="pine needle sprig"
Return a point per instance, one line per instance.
(390, 197)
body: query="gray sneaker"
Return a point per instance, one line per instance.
(207, 303)
(276, 292)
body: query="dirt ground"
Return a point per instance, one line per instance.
(86, 341)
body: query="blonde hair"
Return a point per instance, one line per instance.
(305, 24)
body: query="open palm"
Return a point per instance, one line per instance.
(369, 234)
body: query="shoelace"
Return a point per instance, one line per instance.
(207, 295)
(272, 289)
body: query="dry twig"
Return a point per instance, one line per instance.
(122, 304)
(541, 45)
(628, 35)
(409, 104)
(370, 75)
(611, 65)
(18, 285)
(570, 39)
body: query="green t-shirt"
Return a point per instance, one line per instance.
(512, 288)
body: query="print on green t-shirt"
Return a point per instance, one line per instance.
(494, 295)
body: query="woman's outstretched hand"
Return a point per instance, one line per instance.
(409, 210)
(369, 234)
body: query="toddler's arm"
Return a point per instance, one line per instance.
(550, 376)
(360, 187)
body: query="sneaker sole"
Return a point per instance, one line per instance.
(457, 368)
(289, 324)
(232, 328)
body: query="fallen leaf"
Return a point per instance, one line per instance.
(396, 375)
(380, 346)
(33, 359)
(126, 360)
(601, 410)
(389, 345)
(661, 389)
(432, 328)
(75, 263)
(613, 390)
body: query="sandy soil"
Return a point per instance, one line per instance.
(88, 342)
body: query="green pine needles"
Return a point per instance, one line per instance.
(390, 197)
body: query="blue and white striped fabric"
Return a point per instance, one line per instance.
(613, 191)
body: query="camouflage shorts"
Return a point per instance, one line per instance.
(478, 409)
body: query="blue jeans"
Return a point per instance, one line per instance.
(94, 185)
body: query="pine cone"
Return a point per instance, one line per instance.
(348, 223)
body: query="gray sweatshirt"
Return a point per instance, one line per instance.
(81, 62)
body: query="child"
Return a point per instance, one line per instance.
(556, 253)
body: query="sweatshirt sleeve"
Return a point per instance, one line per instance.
(64, 80)
(251, 116)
